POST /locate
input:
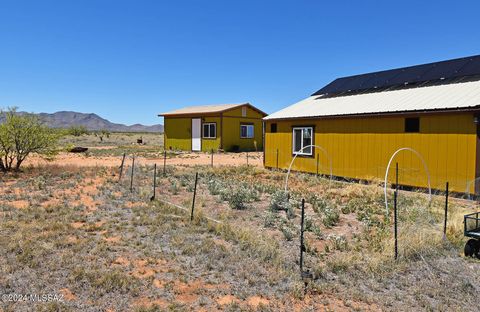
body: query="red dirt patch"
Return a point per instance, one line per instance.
(19, 204)
(227, 299)
(121, 261)
(158, 283)
(112, 239)
(67, 294)
(255, 301)
(77, 225)
(145, 302)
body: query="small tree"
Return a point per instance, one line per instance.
(101, 134)
(77, 130)
(22, 135)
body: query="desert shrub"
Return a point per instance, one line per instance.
(102, 134)
(339, 242)
(265, 188)
(239, 198)
(270, 219)
(330, 216)
(353, 205)
(308, 223)
(173, 186)
(22, 135)
(326, 209)
(215, 187)
(77, 130)
(280, 202)
(288, 232)
(251, 194)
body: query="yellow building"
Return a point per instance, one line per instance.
(356, 124)
(229, 127)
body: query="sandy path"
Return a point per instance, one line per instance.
(188, 159)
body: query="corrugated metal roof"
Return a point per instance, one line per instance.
(449, 96)
(204, 109)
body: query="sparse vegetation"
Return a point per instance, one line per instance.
(102, 134)
(102, 242)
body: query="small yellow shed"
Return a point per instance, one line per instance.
(229, 127)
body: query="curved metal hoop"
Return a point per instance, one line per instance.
(291, 163)
(388, 167)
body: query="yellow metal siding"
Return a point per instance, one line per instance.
(178, 133)
(231, 134)
(360, 148)
(209, 144)
(237, 112)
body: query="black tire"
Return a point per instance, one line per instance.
(471, 248)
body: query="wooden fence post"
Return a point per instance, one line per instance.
(194, 195)
(121, 168)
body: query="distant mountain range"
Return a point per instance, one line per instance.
(66, 119)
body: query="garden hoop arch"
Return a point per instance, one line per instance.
(294, 157)
(424, 166)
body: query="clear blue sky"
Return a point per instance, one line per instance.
(129, 60)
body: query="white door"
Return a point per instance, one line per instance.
(196, 134)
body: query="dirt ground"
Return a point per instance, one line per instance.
(180, 159)
(73, 228)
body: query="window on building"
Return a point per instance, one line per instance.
(412, 124)
(209, 130)
(302, 140)
(244, 111)
(246, 131)
(273, 128)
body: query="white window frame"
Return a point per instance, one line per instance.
(301, 143)
(247, 126)
(203, 130)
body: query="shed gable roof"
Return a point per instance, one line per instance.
(208, 109)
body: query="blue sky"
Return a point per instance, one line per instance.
(129, 60)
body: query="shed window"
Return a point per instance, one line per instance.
(210, 130)
(273, 128)
(244, 111)
(412, 124)
(302, 140)
(246, 131)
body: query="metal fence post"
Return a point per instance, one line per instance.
(395, 194)
(317, 163)
(247, 158)
(164, 162)
(154, 181)
(194, 195)
(277, 158)
(302, 246)
(133, 169)
(121, 168)
(212, 158)
(446, 211)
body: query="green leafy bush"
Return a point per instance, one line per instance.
(77, 130)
